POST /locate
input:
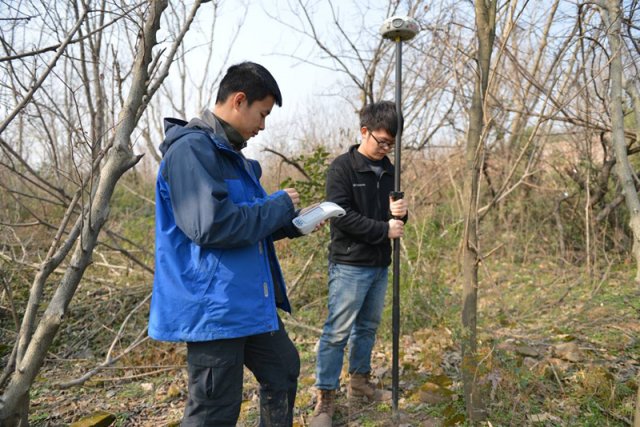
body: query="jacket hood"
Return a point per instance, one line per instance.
(174, 129)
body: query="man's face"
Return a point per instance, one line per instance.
(375, 143)
(251, 118)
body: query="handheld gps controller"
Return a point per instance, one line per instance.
(314, 216)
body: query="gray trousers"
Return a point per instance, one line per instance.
(216, 376)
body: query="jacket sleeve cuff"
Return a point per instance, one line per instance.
(289, 202)
(385, 227)
(288, 229)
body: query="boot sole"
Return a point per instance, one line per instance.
(365, 398)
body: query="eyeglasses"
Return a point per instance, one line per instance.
(382, 143)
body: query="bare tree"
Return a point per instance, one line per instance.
(611, 11)
(191, 88)
(486, 29)
(86, 183)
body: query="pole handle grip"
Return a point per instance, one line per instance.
(396, 195)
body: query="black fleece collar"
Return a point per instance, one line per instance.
(360, 164)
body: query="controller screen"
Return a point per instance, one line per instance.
(313, 215)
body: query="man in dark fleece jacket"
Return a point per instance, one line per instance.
(360, 181)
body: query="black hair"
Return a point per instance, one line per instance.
(252, 79)
(380, 115)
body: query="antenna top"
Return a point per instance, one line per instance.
(399, 28)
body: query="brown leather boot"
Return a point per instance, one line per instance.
(360, 386)
(325, 407)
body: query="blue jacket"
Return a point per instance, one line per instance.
(216, 271)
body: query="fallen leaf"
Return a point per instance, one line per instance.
(543, 418)
(525, 350)
(568, 351)
(173, 391)
(98, 419)
(433, 394)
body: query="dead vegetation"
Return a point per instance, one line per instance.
(557, 301)
(558, 345)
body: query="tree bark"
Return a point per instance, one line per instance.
(485, 22)
(636, 419)
(612, 16)
(14, 401)
(611, 12)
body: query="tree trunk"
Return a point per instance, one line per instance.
(19, 416)
(636, 420)
(612, 15)
(485, 21)
(14, 401)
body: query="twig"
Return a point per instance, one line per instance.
(127, 253)
(604, 277)
(352, 415)
(124, 323)
(612, 415)
(104, 364)
(133, 377)
(50, 66)
(295, 283)
(555, 374)
(105, 263)
(289, 161)
(126, 368)
(32, 266)
(6, 284)
(289, 320)
(140, 196)
(11, 364)
(54, 47)
(569, 288)
(488, 254)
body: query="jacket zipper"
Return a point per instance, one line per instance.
(244, 166)
(379, 208)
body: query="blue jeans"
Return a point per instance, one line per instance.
(356, 300)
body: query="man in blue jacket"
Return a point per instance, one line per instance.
(217, 278)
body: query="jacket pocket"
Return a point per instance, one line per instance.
(205, 261)
(342, 247)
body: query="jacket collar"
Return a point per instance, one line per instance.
(233, 136)
(211, 124)
(360, 164)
